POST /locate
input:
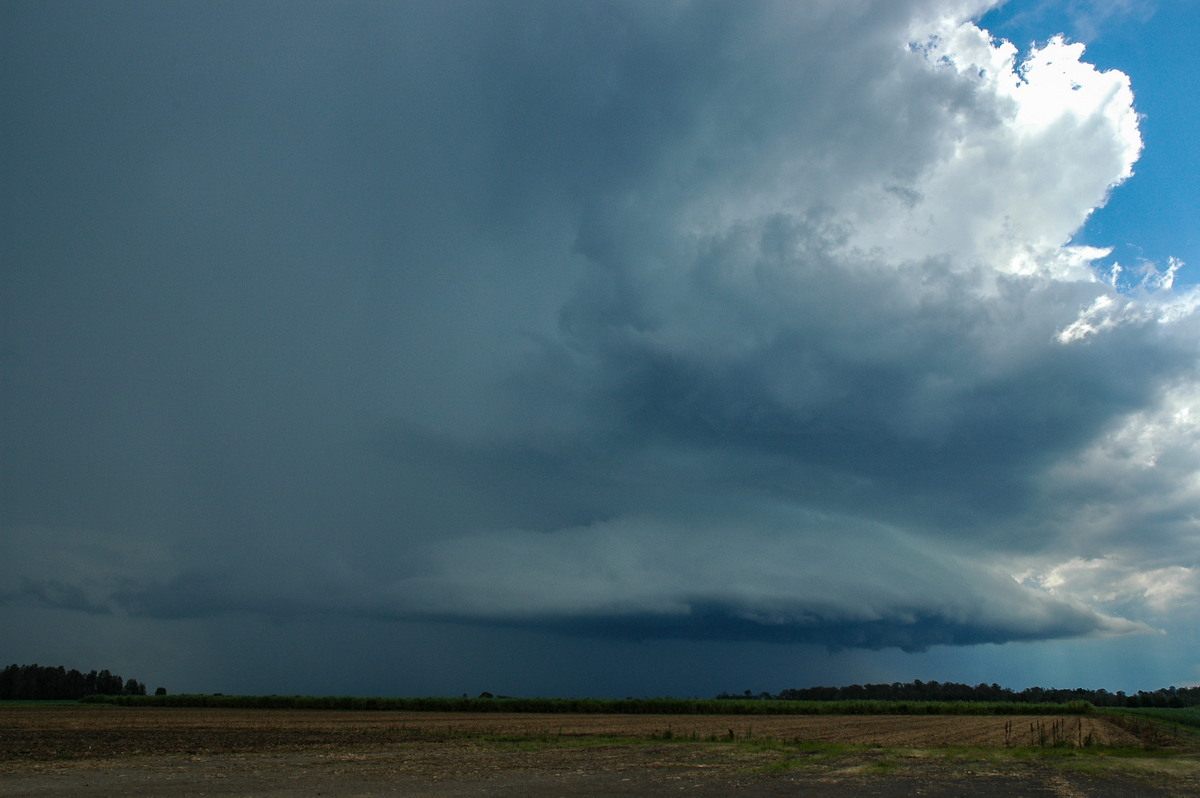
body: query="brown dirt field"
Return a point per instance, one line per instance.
(108, 751)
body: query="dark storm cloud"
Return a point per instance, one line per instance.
(739, 321)
(54, 594)
(906, 631)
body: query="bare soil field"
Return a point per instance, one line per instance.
(110, 751)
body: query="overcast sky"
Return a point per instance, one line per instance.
(598, 348)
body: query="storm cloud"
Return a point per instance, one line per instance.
(736, 321)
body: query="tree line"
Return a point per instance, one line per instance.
(575, 706)
(45, 683)
(994, 693)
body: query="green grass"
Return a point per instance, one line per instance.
(1186, 717)
(1161, 727)
(776, 756)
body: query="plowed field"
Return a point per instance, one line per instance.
(39, 733)
(109, 751)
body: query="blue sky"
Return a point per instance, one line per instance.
(606, 348)
(1153, 217)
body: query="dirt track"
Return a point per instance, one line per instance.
(105, 751)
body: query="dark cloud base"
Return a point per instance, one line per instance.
(194, 595)
(710, 621)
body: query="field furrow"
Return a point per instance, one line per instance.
(97, 732)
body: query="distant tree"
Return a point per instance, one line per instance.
(954, 691)
(108, 683)
(38, 683)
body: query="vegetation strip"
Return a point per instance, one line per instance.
(584, 706)
(1187, 718)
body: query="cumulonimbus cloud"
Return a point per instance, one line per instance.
(738, 321)
(873, 323)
